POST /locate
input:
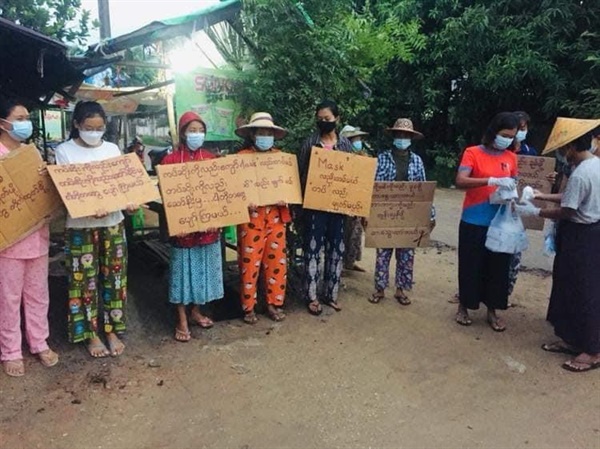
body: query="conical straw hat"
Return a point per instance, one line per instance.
(567, 130)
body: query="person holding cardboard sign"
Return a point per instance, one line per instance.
(23, 269)
(262, 241)
(322, 230)
(483, 274)
(399, 164)
(353, 232)
(196, 275)
(95, 246)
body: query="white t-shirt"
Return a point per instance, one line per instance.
(582, 192)
(71, 153)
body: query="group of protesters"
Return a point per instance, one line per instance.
(96, 256)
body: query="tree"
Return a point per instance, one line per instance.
(55, 18)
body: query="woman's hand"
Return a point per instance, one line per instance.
(552, 177)
(132, 208)
(212, 230)
(43, 169)
(282, 204)
(252, 207)
(101, 213)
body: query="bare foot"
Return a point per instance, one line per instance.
(275, 313)
(201, 320)
(115, 344)
(495, 322)
(48, 358)
(583, 362)
(182, 336)
(14, 368)
(96, 348)
(358, 268)
(250, 317)
(462, 316)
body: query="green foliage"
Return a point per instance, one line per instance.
(61, 19)
(450, 65)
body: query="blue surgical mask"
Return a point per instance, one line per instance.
(401, 144)
(264, 143)
(357, 145)
(521, 135)
(194, 140)
(21, 130)
(501, 142)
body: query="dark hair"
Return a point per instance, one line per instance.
(582, 143)
(595, 132)
(7, 105)
(503, 120)
(84, 110)
(328, 104)
(522, 116)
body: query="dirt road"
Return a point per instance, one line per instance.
(380, 376)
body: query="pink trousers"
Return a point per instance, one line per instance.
(23, 281)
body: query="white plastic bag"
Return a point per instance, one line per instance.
(503, 195)
(506, 233)
(550, 239)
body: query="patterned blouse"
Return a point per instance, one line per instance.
(386, 170)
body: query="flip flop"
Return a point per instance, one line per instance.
(278, 315)
(48, 358)
(463, 319)
(496, 326)
(334, 305)
(403, 299)
(358, 268)
(375, 298)
(250, 317)
(314, 308)
(558, 348)
(14, 368)
(204, 322)
(182, 336)
(582, 368)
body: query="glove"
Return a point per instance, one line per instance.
(505, 183)
(527, 210)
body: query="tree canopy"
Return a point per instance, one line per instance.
(64, 20)
(450, 65)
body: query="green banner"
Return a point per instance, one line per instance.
(210, 93)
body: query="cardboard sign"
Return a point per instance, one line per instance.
(111, 184)
(27, 199)
(340, 182)
(205, 194)
(271, 178)
(400, 215)
(533, 171)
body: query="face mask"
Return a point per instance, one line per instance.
(401, 144)
(521, 136)
(21, 130)
(358, 146)
(264, 143)
(92, 138)
(325, 127)
(501, 142)
(194, 140)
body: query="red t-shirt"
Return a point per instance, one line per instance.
(180, 156)
(482, 163)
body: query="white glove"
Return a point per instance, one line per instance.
(527, 210)
(505, 183)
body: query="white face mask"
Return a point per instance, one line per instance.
(92, 138)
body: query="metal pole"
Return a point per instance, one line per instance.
(104, 18)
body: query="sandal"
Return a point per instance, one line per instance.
(14, 368)
(276, 314)
(403, 299)
(376, 298)
(314, 308)
(463, 319)
(560, 348)
(358, 268)
(182, 336)
(576, 366)
(334, 305)
(204, 322)
(250, 317)
(497, 325)
(48, 358)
